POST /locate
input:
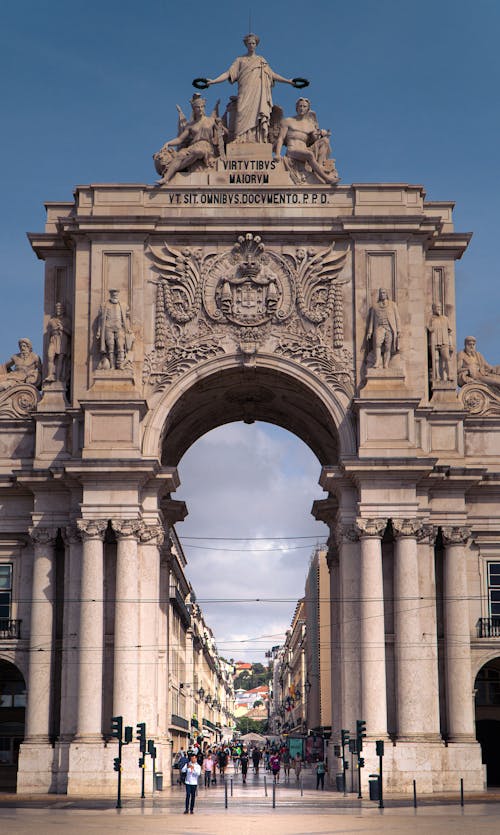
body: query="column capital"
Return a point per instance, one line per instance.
(151, 534)
(370, 527)
(71, 534)
(455, 535)
(345, 532)
(415, 528)
(91, 528)
(41, 535)
(127, 528)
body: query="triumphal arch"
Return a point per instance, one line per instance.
(250, 283)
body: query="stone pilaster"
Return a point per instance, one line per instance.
(150, 540)
(126, 649)
(91, 631)
(38, 714)
(407, 629)
(373, 667)
(344, 592)
(71, 616)
(460, 712)
(429, 666)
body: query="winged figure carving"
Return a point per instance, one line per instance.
(317, 276)
(180, 275)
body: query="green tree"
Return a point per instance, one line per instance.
(246, 726)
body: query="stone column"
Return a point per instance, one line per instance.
(38, 714)
(345, 598)
(372, 632)
(91, 631)
(151, 538)
(428, 626)
(407, 630)
(126, 642)
(71, 615)
(457, 636)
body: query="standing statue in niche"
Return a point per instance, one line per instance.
(254, 103)
(114, 333)
(472, 366)
(441, 344)
(307, 144)
(24, 367)
(59, 333)
(384, 329)
(198, 141)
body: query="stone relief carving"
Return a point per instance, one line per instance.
(252, 298)
(20, 379)
(308, 147)
(24, 367)
(479, 380)
(59, 346)
(383, 331)
(441, 344)
(199, 142)
(250, 115)
(114, 333)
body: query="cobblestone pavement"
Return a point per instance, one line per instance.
(299, 810)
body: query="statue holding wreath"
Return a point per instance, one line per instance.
(199, 142)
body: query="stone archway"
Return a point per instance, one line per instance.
(487, 690)
(12, 710)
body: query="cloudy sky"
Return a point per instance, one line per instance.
(410, 91)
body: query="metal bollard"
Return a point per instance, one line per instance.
(265, 786)
(231, 786)
(414, 794)
(301, 786)
(461, 791)
(274, 795)
(225, 794)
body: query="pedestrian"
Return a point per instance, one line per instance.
(286, 761)
(222, 759)
(275, 765)
(256, 760)
(192, 771)
(320, 774)
(181, 762)
(208, 768)
(297, 764)
(244, 764)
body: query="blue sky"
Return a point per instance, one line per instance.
(409, 89)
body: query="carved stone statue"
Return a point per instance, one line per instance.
(254, 104)
(24, 367)
(199, 141)
(472, 366)
(441, 344)
(114, 333)
(384, 329)
(306, 143)
(59, 333)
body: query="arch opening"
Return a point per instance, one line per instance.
(12, 716)
(487, 690)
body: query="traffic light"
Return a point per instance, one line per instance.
(141, 762)
(151, 748)
(360, 732)
(117, 727)
(379, 747)
(128, 734)
(140, 735)
(361, 762)
(116, 764)
(336, 751)
(345, 736)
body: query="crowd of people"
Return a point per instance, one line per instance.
(212, 762)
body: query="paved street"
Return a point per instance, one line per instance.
(250, 812)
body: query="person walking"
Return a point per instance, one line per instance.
(275, 765)
(320, 774)
(192, 770)
(208, 768)
(256, 760)
(244, 764)
(297, 764)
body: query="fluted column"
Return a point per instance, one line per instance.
(91, 630)
(150, 538)
(71, 617)
(126, 656)
(407, 630)
(373, 668)
(38, 714)
(457, 636)
(429, 666)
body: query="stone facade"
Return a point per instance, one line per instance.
(246, 286)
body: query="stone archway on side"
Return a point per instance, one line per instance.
(487, 690)
(12, 717)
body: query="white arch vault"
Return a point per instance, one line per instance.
(256, 301)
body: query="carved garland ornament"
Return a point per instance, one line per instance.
(251, 289)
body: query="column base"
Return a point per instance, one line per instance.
(38, 768)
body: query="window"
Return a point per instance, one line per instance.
(6, 589)
(494, 588)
